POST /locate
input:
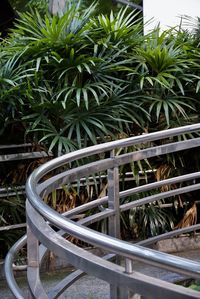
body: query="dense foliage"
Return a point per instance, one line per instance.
(68, 77)
(77, 79)
(68, 81)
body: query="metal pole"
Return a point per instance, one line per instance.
(114, 221)
(129, 270)
(113, 199)
(32, 259)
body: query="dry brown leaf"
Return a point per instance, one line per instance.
(190, 218)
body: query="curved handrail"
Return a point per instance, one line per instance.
(36, 189)
(52, 239)
(17, 292)
(88, 235)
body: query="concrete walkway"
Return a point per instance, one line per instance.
(86, 288)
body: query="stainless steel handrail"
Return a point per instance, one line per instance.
(108, 243)
(16, 291)
(35, 190)
(90, 236)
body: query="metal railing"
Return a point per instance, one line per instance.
(117, 266)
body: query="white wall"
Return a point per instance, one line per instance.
(168, 12)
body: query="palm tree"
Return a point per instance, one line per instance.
(88, 59)
(76, 79)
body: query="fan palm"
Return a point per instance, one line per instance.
(163, 72)
(79, 90)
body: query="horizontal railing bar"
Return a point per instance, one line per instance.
(101, 148)
(9, 146)
(85, 207)
(73, 174)
(158, 184)
(96, 217)
(78, 172)
(23, 156)
(104, 200)
(132, 191)
(16, 188)
(156, 151)
(14, 226)
(11, 194)
(20, 190)
(161, 195)
(12, 191)
(168, 235)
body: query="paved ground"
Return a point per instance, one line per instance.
(86, 288)
(91, 288)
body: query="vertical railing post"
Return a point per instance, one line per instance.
(123, 293)
(113, 200)
(113, 203)
(129, 270)
(32, 257)
(36, 290)
(114, 223)
(114, 220)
